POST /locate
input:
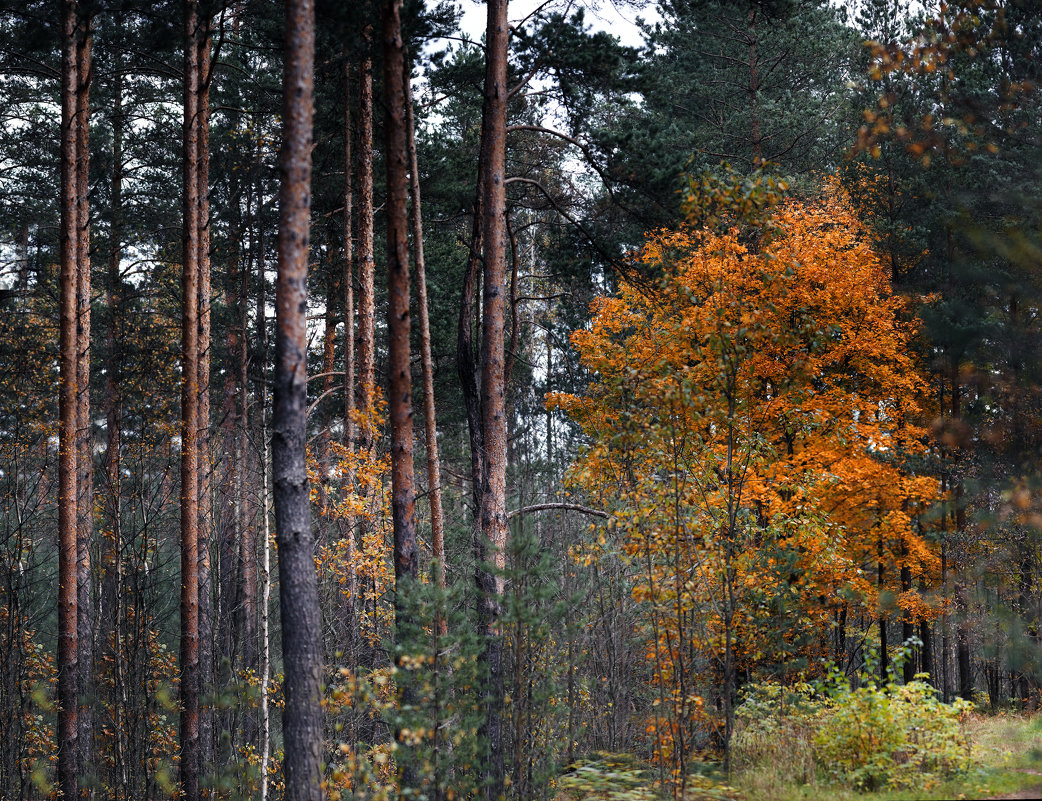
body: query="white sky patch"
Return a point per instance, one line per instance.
(619, 18)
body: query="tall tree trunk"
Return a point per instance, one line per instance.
(85, 456)
(68, 670)
(399, 390)
(298, 582)
(248, 546)
(403, 489)
(493, 531)
(426, 362)
(349, 363)
(265, 510)
(205, 460)
(328, 382)
(366, 297)
(189, 652)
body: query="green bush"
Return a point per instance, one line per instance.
(891, 736)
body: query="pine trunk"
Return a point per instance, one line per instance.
(189, 651)
(68, 670)
(85, 456)
(366, 297)
(205, 460)
(493, 520)
(298, 583)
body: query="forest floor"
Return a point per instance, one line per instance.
(1009, 755)
(1007, 751)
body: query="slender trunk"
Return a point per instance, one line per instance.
(492, 388)
(265, 509)
(68, 670)
(298, 582)
(349, 365)
(112, 544)
(884, 657)
(328, 382)
(399, 390)
(907, 625)
(248, 545)
(466, 367)
(85, 456)
(946, 691)
(366, 298)
(427, 363)
(189, 652)
(205, 460)
(962, 644)
(403, 489)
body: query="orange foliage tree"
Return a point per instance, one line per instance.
(752, 421)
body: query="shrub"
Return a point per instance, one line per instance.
(891, 736)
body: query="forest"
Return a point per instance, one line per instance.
(528, 401)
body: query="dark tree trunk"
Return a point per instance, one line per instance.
(298, 582)
(907, 626)
(68, 670)
(189, 652)
(884, 657)
(962, 644)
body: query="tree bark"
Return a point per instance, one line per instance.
(85, 457)
(493, 520)
(349, 363)
(68, 670)
(403, 488)
(366, 297)
(301, 615)
(189, 651)
(205, 460)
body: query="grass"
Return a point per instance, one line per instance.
(1008, 750)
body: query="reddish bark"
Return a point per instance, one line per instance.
(298, 582)
(85, 447)
(403, 489)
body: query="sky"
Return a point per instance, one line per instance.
(618, 18)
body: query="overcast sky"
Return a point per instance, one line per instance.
(618, 18)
